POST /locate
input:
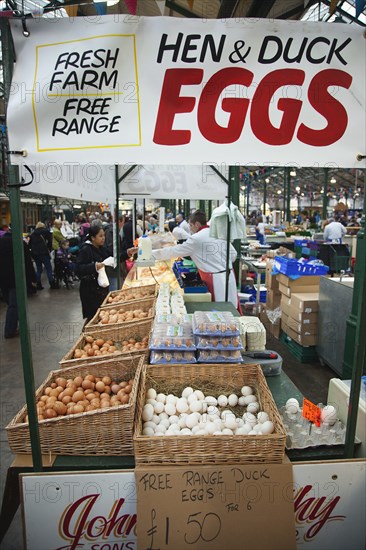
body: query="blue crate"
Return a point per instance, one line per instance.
(294, 269)
(301, 242)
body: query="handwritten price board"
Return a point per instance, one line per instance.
(311, 412)
(215, 507)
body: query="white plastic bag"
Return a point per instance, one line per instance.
(109, 261)
(102, 278)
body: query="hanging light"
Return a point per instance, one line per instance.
(297, 189)
(333, 180)
(267, 180)
(293, 173)
(279, 192)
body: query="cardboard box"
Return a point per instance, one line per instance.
(288, 290)
(306, 281)
(303, 330)
(303, 340)
(271, 280)
(211, 507)
(305, 302)
(285, 304)
(302, 317)
(273, 299)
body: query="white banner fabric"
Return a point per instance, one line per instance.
(120, 89)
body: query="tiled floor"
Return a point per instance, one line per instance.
(55, 322)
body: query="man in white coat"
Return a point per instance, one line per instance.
(209, 255)
(182, 223)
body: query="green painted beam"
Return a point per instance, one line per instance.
(234, 178)
(325, 195)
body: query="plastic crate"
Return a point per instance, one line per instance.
(294, 269)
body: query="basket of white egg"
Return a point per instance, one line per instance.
(225, 415)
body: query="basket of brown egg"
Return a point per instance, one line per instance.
(130, 312)
(83, 410)
(99, 345)
(130, 294)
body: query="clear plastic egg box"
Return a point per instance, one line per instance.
(226, 343)
(173, 319)
(215, 324)
(175, 337)
(219, 356)
(164, 357)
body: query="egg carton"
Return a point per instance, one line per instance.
(215, 343)
(175, 357)
(219, 356)
(175, 337)
(215, 324)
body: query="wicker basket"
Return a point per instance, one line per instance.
(131, 294)
(146, 304)
(121, 332)
(95, 433)
(208, 449)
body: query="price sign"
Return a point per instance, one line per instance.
(311, 412)
(215, 507)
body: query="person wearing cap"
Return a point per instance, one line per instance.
(334, 231)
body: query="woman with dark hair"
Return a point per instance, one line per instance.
(88, 263)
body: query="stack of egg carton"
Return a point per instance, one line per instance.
(172, 340)
(162, 306)
(177, 304)
(217, 337)
(253, 333)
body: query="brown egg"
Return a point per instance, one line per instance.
(123, 384)
(99, 342)
(50, 413)
(44, 398)
(121, 393)
(90, 377)
(40, 417)
(128, 389)
(78, 409)
(104, 396)
(66, 399)
(131, 381)
(78, 353)
(78, 380)
(90, 408)
(68, 391)
(53, 385)
(61, 382)
(47, 391)
(97, 352)
(89, 339)
(60, 396)
(115, 388)
(90, 396)
(78, 396)
(107, 390)
(60, 408)
(110, 342)
(95, 347)
(100, 386)
(51, 399)
(106, 380)
(95, 402)
(124, 400)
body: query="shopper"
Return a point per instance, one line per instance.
(7, 282)
(260, 233)
(209, 255)
(57, 236)
(334, 231)
(125, 254)
(88, 263)
(40, 246)
(178, 232)
(182, 223)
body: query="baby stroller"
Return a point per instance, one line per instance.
(63, 273)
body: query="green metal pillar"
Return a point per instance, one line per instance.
(354, 361)
(288, 198)
(325, 194)
(265, 199)
(285, 176)
(202, 205)
(19, 265)
(209, 209)
(187, 209)
(116, 221)
(234, 179)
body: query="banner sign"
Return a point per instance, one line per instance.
(172, 181)
(121, 89)
(97, 510)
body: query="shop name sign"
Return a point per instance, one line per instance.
(145, 90)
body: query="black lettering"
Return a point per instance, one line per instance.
(89, 78)
(110, 57)
(61, 60)
(115, 121)
(54, 79)
(71, 80)
(209, 41)
(266, 41)
(335, 51)
(300, 53)
(101, 59)
(184, 496)
(85, 57)
(112, 80)
(187, 47)
(313, 43)
(165, 47)
(59, 126)
(69, 105)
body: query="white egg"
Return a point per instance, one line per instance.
(262, 417)
(249, 418)
(241, 401)
(240, 422)
(185, 431)
(217, 433)
(170, 409)
(182, 405)
(250, 399)
(192, 397)
(211, 401)
(191, 420)
(147, 412)
(257, 428)
(242, 431)
(201, 432)
(328, 415)
(232, 400)
(292, 406)
(196, 406)
(227, 431)
(155, 419)
(163, 415)
(204, 406)
(200, 396)
(182, 421)
(225, 412)
(161, 397)
(151, 393)
(246, 428)
(210, 428)
(246, 390)
(205, 418)
(252, 432)
(151, 402)
(253, 407)
(195, 429)
(230, 421)
(170, 398)
(165, 422)
(149, 424)
(222, 400)
(160, 429)
(213, 411)
(267, 427)
(148, 431)
(159, 407)
(187, 391)
(173, 419)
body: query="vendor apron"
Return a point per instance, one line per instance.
(216, 284)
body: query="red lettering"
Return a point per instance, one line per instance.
(172, 103)
(326, 105)
(65, 521)
(261, 124)
(237, 107)
(99, 528)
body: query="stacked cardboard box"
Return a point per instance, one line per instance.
(299, 304)
(272, 285)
